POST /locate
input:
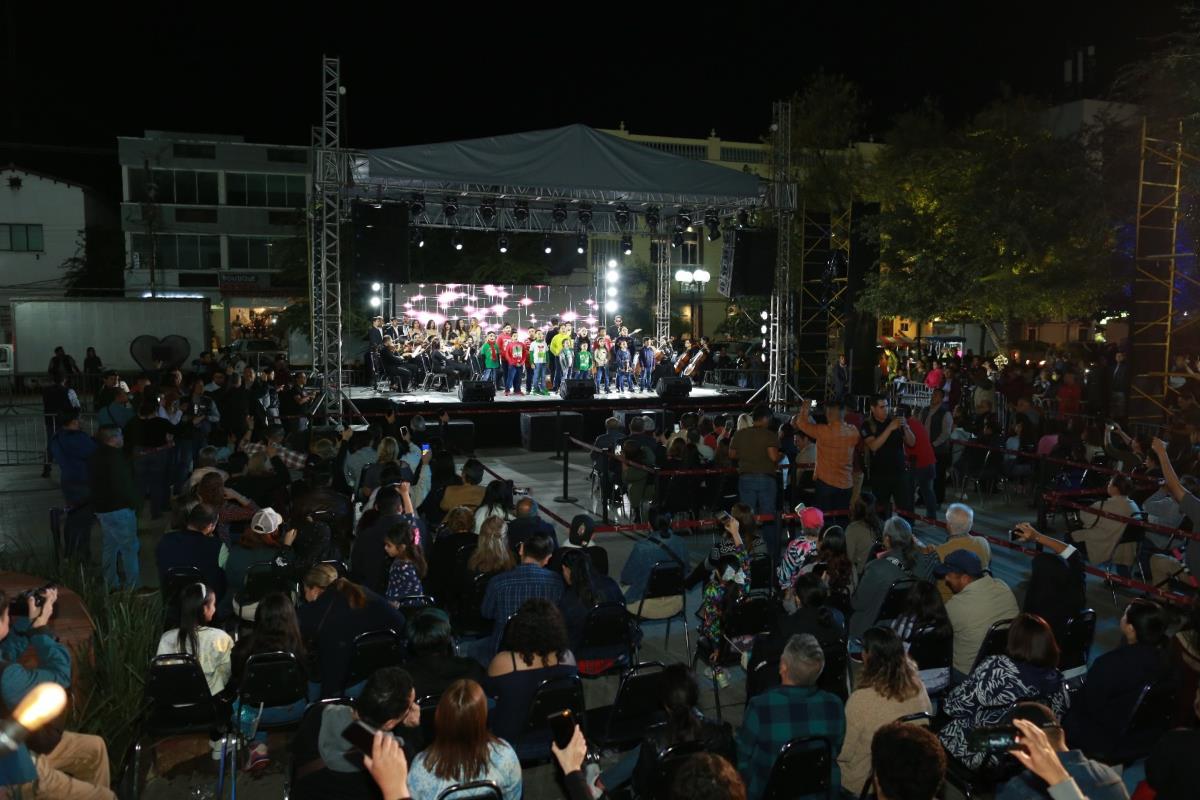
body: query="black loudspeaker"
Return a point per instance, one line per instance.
(380, 244)
(673, 388)
(754, 262)
(577, 389)
(476, 391)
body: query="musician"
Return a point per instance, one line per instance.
(614, 330)
(394, 329)
(399, 373)
(374, 344)
(623, 361)
(698, 362)
(474, 331)
(453, 370)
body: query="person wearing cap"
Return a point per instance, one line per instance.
(1097, 781)
(979, 601)
(261, 543)
(196, 545)
(801, 548)
(836, 442)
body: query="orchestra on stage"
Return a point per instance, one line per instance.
(405, 355)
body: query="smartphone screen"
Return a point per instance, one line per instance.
(361, 735)
(403, 430)
(425, 448)
(562, 725)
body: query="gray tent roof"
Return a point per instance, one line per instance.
(572, 162)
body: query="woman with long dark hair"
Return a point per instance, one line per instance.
(834, 568)
(888, 688)
(497, 502)
(335, 611)
(585, 588)
(210, 646)
(925, 612)
(463, 749)
(275, 630)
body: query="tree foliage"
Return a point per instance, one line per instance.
(98, 266)
(995, 220)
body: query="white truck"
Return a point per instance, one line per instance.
(109, 324)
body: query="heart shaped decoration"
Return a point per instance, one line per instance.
(152, 353)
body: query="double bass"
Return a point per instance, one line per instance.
(696, 360)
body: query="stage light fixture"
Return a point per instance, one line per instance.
(450, 208)
(677, 237)
(612, 263)
(764, 314)
(375, 287)
(743, 219)
(622, 215)
(652, 217)
(685, 217)
(627, 245)
(521, 211)
(585, 216)
(612, 276)
(546, 247)
(763, 330)
(713, 223)
(559, 214)
(611, 307)
(503, 243)
(683, 275)
(487, 210)
(416, 237)
(457, 240)
(416, 206)
(701, 276)
(581, 242)
(375, 301)
(611, 291)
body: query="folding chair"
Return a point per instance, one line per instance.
(995, 642)
(667, 579)
(374, 650)
(803, 767)
(637, 705)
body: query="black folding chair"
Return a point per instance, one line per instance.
(374, 650)
(835, 677)
(415, 601)
(179, 703)
(342, 570)
(919, 718)
(762, 574)
(662, 774)
(1152, 716)
(1076, 643)
(552, 696)
(638, 704)
(271, 680)
(894, 601)
(803, 767)
(668, 579)
(175, 581)
(932, 649)
(749, 615)
(428, 705)
(476, 790)
(261, 580)
(607, 629)
(995, 642)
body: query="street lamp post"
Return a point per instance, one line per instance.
(694, 281)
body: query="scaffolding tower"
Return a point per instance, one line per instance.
(780, 329)
(1156, 313)
(823, 273)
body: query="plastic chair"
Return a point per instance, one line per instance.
(804, 766)
(466, 615)
(261, 580)
(374, 650)
(179, 703)
(995, 642)
(428, 705)
(636, 706)
(667, 579)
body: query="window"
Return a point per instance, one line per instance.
(287, 155)
(284, 218)
(198, 280)
(177, 251)
(183, 186)
(186, 150)
(22, 238)
(689, 252)
(1031, 333)
(195, 215)
(251, 189)
(249, 252)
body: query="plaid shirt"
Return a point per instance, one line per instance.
(291, 458)
(509, 590)
(779, 715)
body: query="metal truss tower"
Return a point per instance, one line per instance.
(329, 179)
(662, 323)
(1156, 307)
(823, 271)
(783, 203)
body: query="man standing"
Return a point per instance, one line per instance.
(1118, 387)
(923, 463)
(939, 423)
(841, 378)
(614, 330)
(374, 345)
(793, 709)
(885, 437)
(57, 400)
(295, 403)
(979, 601)
(757, 452)
(115, 500)
(836, 441)
(71, 449)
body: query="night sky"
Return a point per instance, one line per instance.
(73, 79)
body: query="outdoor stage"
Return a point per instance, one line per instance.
(435, 399)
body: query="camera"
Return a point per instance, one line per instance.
(993, 738)
(18, 606)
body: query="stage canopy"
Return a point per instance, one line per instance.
(574, 164)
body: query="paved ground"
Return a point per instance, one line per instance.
(25, 498)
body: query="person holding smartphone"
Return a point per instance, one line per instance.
(836, 442)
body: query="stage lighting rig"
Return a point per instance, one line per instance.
(581, 242)
(457, 240)
(677, 237)
(652, 217)
(622, 216)
(585, 216)
(416, 206)
(559, 214)
(743, 219)
(450, 208)
(487, 210)
(547, 247)
(416, 237)
(502, 243)
(685, 217)
(713, 223)
(627, 245)
(521, 211)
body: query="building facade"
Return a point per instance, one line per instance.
(216, 216)
(43, 222)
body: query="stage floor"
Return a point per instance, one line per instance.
(433, 398)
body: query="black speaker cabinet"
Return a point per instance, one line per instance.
(577, 389)
(673, 388)
(476, 391)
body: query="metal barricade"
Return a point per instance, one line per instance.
(25, 437)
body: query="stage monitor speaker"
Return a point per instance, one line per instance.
(673, 388)
(754, 263)
(577, 389)
(476, 391)
(380, 244)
